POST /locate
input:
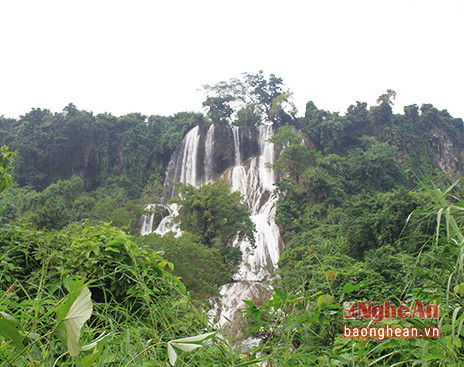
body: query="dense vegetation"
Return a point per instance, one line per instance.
(348, 184)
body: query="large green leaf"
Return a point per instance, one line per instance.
(78, 314)
(194, 339)
(8, 330)
(172, 355)
(186, 345)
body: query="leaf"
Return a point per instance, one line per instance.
(431, 357)
(90, 359)
(439, 213)
(459, 289)
(94, 343)
(348, 288)
(331, 275)
(78, 314)
(279, 293)
(172, 355)
(113, 249)
(324, 299)
(8, 331)
(186, 347)
(194, 339)
(249, 303)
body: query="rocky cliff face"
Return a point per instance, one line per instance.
(207, 151)
(447, 154)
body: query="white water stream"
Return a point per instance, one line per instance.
(254, 179)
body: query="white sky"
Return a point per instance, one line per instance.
(152, 56)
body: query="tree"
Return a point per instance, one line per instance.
(286, 136)
(249, 100)
(294, 160)
(271, 97)
(215, 215)
(382, 113)
(376, 168)
(219, 109)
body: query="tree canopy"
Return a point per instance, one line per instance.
(249, 100)
(215, 215)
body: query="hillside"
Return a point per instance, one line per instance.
(344, 188)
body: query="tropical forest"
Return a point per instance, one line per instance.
(250, 234)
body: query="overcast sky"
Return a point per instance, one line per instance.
(153, 56)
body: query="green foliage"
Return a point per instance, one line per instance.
(214, 214)
(93, 147)
(82, 207)
(298, 328)
(343, 204)
(92, 251)
(50, 216)
(65, 202)
(201, 269)
(153, 190)
(72, 315)
(344, 212)
(249, 100)
(247, 117)
(436, 278)
(270, 97)
(126, 214)
(218, 108)
(119, 188)
(6, 160)
(294, 160)
(371, 222)
(186, 345)
(382, 114)
(140, 311)
(365, 240)
(376, 168)
(52, 208)
(329, 132)
(286, 136)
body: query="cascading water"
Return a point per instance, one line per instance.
(164, 225)
(249, 172)
(254, 180)
(236, 133)
(183, 164)
(147, 220)
(209, 151)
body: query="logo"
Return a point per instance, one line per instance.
(377, 313)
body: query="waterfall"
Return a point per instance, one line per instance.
(188, 174)
(164, 225)
(183, 164)
(147, 220)
(209, 154)
(253, 177)
(236, 133)
(254, 180)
